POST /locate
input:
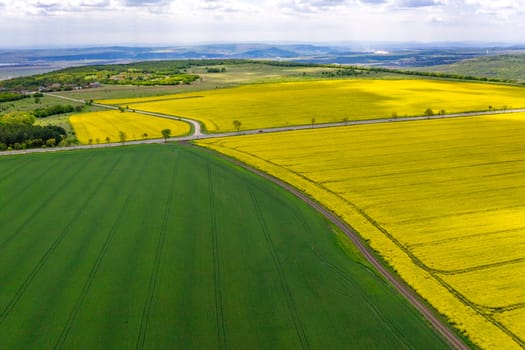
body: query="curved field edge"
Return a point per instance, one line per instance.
(259, 106)
(106, 125)
(462, 317)
(352, 242)
(199, 255)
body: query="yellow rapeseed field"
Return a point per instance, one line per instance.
(443, 201)
(297, 103)
(101, 125)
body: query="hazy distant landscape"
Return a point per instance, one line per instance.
(20, 62)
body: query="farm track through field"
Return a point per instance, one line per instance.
(146, 313)
(441, 327)
(219, 304)
(478, 267)
(460, 214)
(478, 308)
(44, 202)
(403, 289)
(299, 327)
(466, 237)
(425, 171)
(436, 196)
(94, 270)
(20, 292)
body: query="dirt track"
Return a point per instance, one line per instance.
(441, 327)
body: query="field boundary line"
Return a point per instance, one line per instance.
(20, 292)
(219, 304)
(292, 309)
(440, 326)
(148, 305)
(478, 267)
(94, 270)
(507, 308)
(479, 309)
(463, 213)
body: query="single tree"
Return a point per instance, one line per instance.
(107, 139)
(237, 124)
(145, 135)
(122, 136)
(166, 133)
(394, 114)
(51, 142)
(90, 141)
(345, 119)
(313, 122)
(429, 112)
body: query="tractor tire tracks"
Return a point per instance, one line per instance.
(299, 327)
(441, 327)
(44, 202)
(21, 290)
(94, 270)
(219, 304)
(146, 313)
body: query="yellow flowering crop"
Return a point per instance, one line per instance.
(513, 320)
(297, 103)
(101, 125)
(443, 201)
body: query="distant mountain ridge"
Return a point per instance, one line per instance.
(18, 62)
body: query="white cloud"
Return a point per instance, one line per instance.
(155, 21)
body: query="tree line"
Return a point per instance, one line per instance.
(18, 132)
(11, 96)
(175, 72)
(54, 110)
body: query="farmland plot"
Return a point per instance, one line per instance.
(302, 103)
(442, 201)
(108, 124)
(165, 246)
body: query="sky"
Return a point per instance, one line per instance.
(41, 23)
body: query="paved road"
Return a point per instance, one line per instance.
(197, 130)
(442, 328)
(198, 134)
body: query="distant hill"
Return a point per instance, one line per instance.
(507, 67)
(21, 62)
(272, 52)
